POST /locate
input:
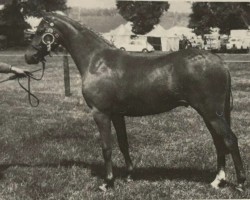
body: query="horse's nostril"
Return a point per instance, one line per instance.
(31, 59)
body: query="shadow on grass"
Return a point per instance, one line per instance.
(142, 173)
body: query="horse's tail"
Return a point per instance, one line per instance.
(228, 102)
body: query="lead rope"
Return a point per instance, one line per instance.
(28, 90)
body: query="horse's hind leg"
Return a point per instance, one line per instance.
(221, 151)
(222, 129)
(103, 122)
(120, 127)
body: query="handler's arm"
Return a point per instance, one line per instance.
(5, 68)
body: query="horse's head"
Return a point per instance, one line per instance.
(46, 39)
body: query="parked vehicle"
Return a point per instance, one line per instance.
(135, 46)
(197, 43)
(237, 45)
(242, 33)
(212, 42)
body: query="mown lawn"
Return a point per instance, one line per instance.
(53, 151)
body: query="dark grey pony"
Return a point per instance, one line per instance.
(116, 84)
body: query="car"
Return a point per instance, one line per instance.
(212, 44)
(237, 44)
(135, 46)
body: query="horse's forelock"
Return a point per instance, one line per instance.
(58, 12)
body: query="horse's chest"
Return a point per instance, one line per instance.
(98, 87)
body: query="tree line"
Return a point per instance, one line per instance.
(224, 15)
(12, 17)
(143, 15)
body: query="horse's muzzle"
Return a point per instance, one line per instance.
(31, 59)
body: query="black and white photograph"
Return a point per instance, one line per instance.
(124, 99)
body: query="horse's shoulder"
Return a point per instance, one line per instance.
(103, 59)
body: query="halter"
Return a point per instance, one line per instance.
(48, 39)
(48, 43)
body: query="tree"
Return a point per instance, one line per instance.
(13, 23)
(33, 7)
(15, 11)
(4, 1)
(226, 16)
(143, 14)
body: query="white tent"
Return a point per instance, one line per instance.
(157, 31)
(121, 33)
(124, 32)
(180, 31)
(121, 30)
(169, 42)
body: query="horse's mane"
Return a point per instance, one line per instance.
(81, 27)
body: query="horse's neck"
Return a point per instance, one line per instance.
(81, 44)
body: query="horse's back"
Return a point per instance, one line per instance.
(131, 62)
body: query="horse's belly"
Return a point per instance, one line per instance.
(143, 107)
(143, 112)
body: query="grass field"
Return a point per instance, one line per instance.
(53, 151)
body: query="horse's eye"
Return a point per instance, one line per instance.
(40, 31)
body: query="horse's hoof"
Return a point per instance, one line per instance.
(103, 187)
(240, 188)
(108, 184)
(215, 184)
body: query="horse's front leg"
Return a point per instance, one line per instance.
(120, 127)
(103, 122)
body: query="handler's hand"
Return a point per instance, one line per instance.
(20, 72)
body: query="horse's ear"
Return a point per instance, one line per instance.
(47, 17)
(42, 13)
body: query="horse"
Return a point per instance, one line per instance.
(116, 84)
